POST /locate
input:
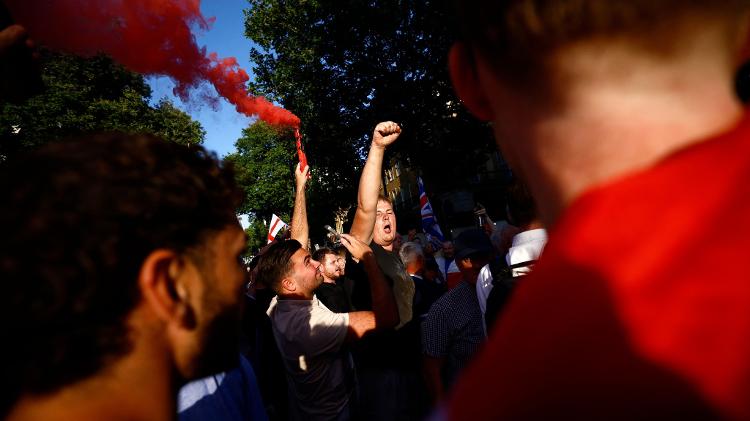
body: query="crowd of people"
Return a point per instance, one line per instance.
(124, 283)
(372, 328)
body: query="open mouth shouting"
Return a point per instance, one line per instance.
(387, 227)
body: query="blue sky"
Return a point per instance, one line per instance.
(226, 37)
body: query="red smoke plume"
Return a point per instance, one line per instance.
(148, 37)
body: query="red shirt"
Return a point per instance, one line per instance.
(640, 306)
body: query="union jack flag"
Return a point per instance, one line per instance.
(429, 222)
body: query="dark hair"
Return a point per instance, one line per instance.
(519, 34)
(340, 250)
(472, 243)
(521, 205)
(276, 262)
(80, 217)
(322, 252)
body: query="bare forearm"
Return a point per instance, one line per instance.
(369, 182)
(300, 229)
(383, 302)
(367, 195)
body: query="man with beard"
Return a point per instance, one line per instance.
(332, 292)
(622, 119)
(122, 279)
(386, 362)
(311, 337)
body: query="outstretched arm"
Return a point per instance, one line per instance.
(300, 229)
(369, 183)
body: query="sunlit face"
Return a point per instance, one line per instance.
(385, 224)
(342, 264)
(219, 310)
(306, 272)
(330, 267)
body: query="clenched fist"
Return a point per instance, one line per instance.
(385, 133)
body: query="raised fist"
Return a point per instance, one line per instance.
(385, 133)
(301, 175)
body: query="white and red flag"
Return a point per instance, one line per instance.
(276, 225)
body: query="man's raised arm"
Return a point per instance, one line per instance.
(384, 134)
(300, 229)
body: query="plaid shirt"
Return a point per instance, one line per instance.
(454, 330)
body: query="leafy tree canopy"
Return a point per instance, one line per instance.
(256, 235)
(263, 163)
(90, 94)
(343, 66)
(264, 166)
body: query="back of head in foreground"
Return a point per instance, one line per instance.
(582, 91)
(108, 240)
(617, 96)
(522, 38)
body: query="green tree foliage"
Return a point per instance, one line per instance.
(89, 94)
(175, 125)
(264, 166)
(343, 66)
(264, 163)
(256, 235)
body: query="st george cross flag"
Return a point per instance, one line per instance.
(276, 225)
(429, 221)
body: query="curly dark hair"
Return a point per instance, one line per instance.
(80, 217)
(276, 262)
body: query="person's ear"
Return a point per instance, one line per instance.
(162, 283)
(288, 284)
(465, 263)
(465, 78)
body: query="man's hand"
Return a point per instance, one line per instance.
(356, 248)
(301, 176)
(385, 133)
(369, 182)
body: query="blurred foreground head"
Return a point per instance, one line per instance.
(582, 91)
(524, 39)
(117, 250)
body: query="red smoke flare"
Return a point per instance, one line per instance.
(148, 37)
(300, 152)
